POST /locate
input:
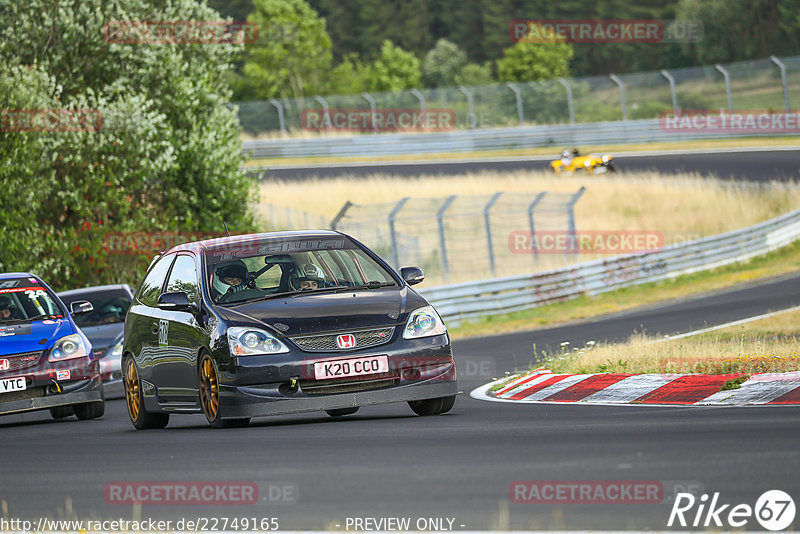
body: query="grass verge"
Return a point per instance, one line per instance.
(785, 260)
(768, 345)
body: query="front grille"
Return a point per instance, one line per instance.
(20, 361)
(327, 342)
(332, 387)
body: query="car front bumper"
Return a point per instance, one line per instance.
(41, 397)
(272, 399)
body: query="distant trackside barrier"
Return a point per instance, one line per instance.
(470, 300)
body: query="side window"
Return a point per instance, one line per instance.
(151, 286)
(184, 278)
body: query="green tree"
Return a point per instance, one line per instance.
(442, 63)
(394, 70)
(474, 74)
(526, 62)
(292, 57)
(166, 156)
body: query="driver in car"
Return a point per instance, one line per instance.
(7, 309)
(307, 284)
(233, 275)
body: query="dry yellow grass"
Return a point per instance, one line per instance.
(681, 208)
(768, 345)
(675, 204)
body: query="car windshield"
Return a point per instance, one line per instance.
(26, 299)
(286, 266)
(110, 306)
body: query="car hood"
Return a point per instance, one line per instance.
(326, 312)
(31, 337)
(104, 336)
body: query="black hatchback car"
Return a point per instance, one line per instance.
(281, 323)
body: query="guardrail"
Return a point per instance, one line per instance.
(487, 139)
(469, 300)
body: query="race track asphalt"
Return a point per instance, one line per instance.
(761, 165)
(386, 462)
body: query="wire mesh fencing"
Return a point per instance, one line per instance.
(764, 84)
(462, 237)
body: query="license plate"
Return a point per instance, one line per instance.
(369, 365)
(13, 384)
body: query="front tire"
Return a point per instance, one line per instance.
(436, 406)
(134, 399)
(210, 400)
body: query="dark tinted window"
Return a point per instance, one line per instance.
(151, 286)
(110, 306)
(184, 277)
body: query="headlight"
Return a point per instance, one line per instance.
(245, 341)
(116, 350)
(68, 347)
(424, 322)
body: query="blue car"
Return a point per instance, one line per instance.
(46, 362)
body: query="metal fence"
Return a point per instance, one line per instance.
(469, 300)
(286, 218)
(769, 84)
(460, 236)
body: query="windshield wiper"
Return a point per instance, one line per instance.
(373, 284)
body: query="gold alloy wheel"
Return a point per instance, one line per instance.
(132, 393)
(209, 389)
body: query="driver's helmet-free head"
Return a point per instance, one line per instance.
(231, 269)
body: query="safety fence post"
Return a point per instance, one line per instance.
(442, 243)
(392, 235)
(488, 225)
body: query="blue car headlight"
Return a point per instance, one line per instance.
(245, 341)
(67, 348)
(424, 322)
(116, 350)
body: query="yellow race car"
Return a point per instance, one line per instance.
(571, 162)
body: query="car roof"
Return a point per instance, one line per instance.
(93, 289)
(238, 240)
(6, 276)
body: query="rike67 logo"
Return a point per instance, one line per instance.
(774, 510)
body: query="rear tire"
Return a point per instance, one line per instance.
(61, 412)
(341, 412)
(140, 418)
(433, 406)
(90, 410)
(611, 168)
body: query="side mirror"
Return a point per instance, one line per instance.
(412, 275)
(80, 306)
(175, 301)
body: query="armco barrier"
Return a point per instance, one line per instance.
(468, 300)
(485, 139)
